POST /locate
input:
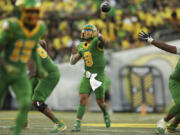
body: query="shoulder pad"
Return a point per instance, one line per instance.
(42, 23)
(7, 23)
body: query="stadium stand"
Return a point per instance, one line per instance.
(120, 26)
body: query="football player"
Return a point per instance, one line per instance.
(43, 87)
(92, 52)
(174, 86)
(18, 41)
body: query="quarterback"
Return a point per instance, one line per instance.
(92, 52)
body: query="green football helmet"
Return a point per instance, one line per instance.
(28, 11)
(88, 31)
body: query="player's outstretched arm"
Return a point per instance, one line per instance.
(75, 56)
(101, 39)
(169, 48)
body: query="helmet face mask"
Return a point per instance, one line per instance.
(28, 11)
(88, 32)
(30, 16)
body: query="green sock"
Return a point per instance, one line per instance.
(56, 120)
(172, 112)
(21, 120)
(78, 121)
(81, 111)
(104, 110)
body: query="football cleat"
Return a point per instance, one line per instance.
(171, 130)
(76, 126)
(58, 128)
(160, 126)
(26, 127)
(107, 121)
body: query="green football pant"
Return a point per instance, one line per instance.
(22, 87)
(44, 87)
(85, 87)
(174, 87)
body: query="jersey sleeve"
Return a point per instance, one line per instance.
(42, 53)
(43, 29)
(95, 41)
(5, 35)
(97, 45)
(36, 58)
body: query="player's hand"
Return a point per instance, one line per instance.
(145, 37)
(74, 49)
(43, 44)
(11, 69)
(42, 74)
(97, 34)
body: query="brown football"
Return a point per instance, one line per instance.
(105, 6)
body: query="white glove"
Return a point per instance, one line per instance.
(145, 37)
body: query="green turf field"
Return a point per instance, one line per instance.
(122, 123)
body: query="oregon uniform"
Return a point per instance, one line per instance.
(174, 84)
(107, 88)
(95, 62)
(91, 50)
(19, 44)
(44, 87)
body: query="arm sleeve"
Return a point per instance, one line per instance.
(37, 59)
(44, 29)
(95, 40)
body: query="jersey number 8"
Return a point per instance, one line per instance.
(88, 59)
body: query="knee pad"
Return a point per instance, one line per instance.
(41, 106)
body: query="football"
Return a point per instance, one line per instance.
(105, 6)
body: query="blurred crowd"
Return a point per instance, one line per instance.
(120, 26)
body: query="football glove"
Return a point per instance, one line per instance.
(145, 37)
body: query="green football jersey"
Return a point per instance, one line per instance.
(176, 74)
(46, 61)
(19, 42)
(93, 56)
